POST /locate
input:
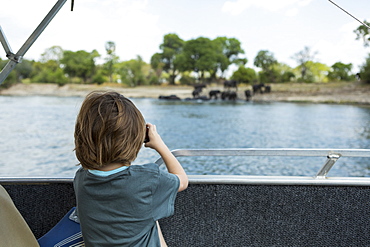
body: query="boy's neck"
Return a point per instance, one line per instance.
(111, 167)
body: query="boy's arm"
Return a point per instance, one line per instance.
(172, 164)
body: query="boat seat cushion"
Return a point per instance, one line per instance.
(66, 232)
(15, 231)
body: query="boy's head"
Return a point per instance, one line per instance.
(109, 129)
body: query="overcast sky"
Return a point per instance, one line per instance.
(284, 27)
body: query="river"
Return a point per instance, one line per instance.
(36, 135)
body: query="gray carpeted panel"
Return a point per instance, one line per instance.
(249, 215)
(232, 215)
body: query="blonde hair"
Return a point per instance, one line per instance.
(109, 129)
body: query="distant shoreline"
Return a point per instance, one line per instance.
(335, 93)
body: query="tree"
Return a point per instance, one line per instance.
(365, 70)
(302, 58)
(340, 72)
(53, 53)
(79, 64)
(230, 49)
(157, 64)
(316, 72)
(24, 69)
(362, 32)
(111, 59)
(284, 72)
(243, 74)
(265, 60)
(12, 77)
(199, 55)
(48, 72)
(132, 72)
(167, 60)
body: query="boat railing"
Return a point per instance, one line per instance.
(330, 157)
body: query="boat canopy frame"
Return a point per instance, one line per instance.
(15, 58)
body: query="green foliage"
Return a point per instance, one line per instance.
(99, 76)
(271, 76)
(111, 59)
(79, 64)
(365, 70)
(283, 72)
(229, 50)
(246, 75)
(131, 72)
(315, 72)
(266, 61)
(199, 55)
(341, 72)
(302, 58)
(48, 72)
(157, 65)
(207, 59)
(11, 79)
(167, 60)
(53, 53)
(287, 76)
(362, 32)
(21, 71)
(186, 79)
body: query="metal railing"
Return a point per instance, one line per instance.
(330, 156)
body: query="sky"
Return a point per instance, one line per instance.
(137, 27)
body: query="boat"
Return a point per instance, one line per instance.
(224, 210)
(235, 210)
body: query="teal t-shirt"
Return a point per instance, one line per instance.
(121, 209)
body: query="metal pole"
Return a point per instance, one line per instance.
(41, 27)
(345, 11)
(332, 158)
(4, 42)
(17, 58)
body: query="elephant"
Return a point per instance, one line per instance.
(196, 92)
(231, 84)
(358, 76)
(199, 86)
(261, 88)
(225, 95)
(258, 88)
(214, 93)
(230, 95)
(171, 97)
(233, 96)
(248, 94)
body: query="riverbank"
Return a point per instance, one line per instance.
(337, 93)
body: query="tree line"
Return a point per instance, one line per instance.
(183, 62)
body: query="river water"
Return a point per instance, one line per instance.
(36, 135)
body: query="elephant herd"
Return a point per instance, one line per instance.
(229, 92)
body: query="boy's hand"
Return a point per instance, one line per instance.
(172, 164)
(155, 141)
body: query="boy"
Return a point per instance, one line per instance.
(119, 204)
